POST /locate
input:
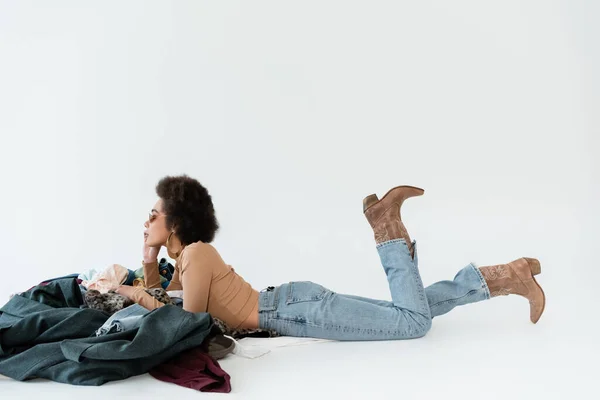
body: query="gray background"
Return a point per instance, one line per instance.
(290, 113)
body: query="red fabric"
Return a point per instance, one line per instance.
(194, 369)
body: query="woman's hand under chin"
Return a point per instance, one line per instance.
(150, 253)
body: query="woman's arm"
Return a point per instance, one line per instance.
(150, 263)
(193, 274)
(175, 283)
(138, 295)
(151, 275)
(196, 277)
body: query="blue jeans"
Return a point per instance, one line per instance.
(307, 309)
(123, 320)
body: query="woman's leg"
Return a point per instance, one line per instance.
(468, 286)
(309, 309)
(472, 284)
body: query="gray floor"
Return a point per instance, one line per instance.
(487, 350)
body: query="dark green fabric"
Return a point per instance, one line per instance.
(58, 293)
(37, 340)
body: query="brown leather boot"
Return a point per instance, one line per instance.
(384, 215)
(516, 277)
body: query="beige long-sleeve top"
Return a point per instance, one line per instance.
(208, 284)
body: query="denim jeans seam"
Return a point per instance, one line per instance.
(421, 290)
(484, 285)
(404, 334)
(295, 321)
(424, 301)
(298, 301)
(469, 293)
(365, 331)
(390, 242)
(346, 328)
(330, 326)
(385, 333)
(290, 299)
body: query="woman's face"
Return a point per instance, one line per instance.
(156, 232)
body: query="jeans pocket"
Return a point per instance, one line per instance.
(268, 300)
(302, 291)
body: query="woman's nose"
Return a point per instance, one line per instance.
(146, 224)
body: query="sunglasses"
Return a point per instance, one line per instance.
(152, 217)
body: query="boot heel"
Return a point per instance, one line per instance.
(369, 201)
(534, 265)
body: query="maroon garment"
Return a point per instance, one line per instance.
(194, 369)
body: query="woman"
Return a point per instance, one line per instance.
(183, 220)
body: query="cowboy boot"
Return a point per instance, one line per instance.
(517, 277)
(384, 215)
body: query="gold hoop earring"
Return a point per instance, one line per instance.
(172, 254)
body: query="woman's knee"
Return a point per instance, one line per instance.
(421, 324)
(425, 327)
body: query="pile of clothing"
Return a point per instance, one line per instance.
(49, 332)
(111, 277)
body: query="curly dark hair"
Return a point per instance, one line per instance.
(189, 209)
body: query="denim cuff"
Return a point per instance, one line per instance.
(484, 285)
(393, 241)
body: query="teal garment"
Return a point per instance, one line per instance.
(58, 293)
(43, 341)
(139, 273)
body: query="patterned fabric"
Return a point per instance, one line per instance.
(240, 333)
(112, 302)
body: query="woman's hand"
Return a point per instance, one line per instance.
(150, 253)
(125, 290)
